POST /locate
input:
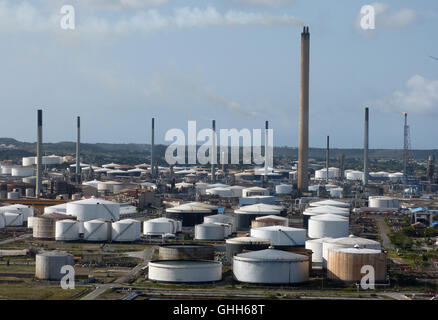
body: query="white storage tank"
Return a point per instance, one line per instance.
(209, 231)
(19, 208)
(48, 265)
(239, 244)
(220, 192)
(127, 230)
(59, 208)
(244, 215)
(347, 242)
(281, 236)
(185, 271)
(13, 219)
(66, 230)
(254, 191)
(283, 189)
(354, 175)
(270, 220)
(271, 267)
(159, 226)
(97, 230)
(29, 180)
(328, 226)
(28, 161)
(94, 208)
(22, 172)
(14, 195)
(236, 191)
(222, 218)
(331, 203)
(316, 246)
(383, 202)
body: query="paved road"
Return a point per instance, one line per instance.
(24, 236)
(383, 231)
(128, 278)
(395, 295)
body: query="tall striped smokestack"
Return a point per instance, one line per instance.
(327, 157)
(365, 149)
(213, 152)
(39, 153)
(78, 152)
(303, 143)
(152, 148)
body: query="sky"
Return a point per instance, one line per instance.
(235, 61)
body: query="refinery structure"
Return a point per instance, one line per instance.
(305, 229)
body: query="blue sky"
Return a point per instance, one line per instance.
(236, 61)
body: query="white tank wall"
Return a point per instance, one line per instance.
(283, 189)
(22, 172)
(126, 230)
(281, 238)
(13, 219)
(66, 230)
(97, 230)
(316, 246)
(321, 227)
(160, 226)
(209, 231)
(91, 209)
(19, 208)
(179, 271)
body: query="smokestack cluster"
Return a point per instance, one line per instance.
(39, 153)
(365, 149)
(152, 149)
(213, 152)
(78, 152)
(303, 143)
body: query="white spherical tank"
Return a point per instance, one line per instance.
(97, 230)
(66, 230)
(271, 267)
(328, 226)
(127, 230)
(347, 242)
(209, 231)
(316, 246)
(283, 189)
(159, 226)
(281, 236)
(93, 208)
(185, 271)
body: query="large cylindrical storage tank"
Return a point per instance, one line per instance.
(97, 230)
(283, 189)
(22, 172)
(28, 161)
(13, 219)
(29, 180)
(267, 221)
(93, 208)
(44, 227)
(237, 191)
(59, 208)
(331, 203)
(281, 236)
(191, 213)
(19, 208)
(345, 264)
(14, 195)
(316, 246)
(66, 230)
(254, 191)
(222, 218)
(182, 271)
(245, 215)
(127, 230)
(48, 265)
(383, 202)
(209, 231)
(328, 226)
(347, 242)
(240, 244)
(220, 192)
(159, 226)
(186, 252)
(271, 267)
(315, 211)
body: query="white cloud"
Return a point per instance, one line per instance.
(386, 19)
(420, 96)
(263, 3)
(23, 16)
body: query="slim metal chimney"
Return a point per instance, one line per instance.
(213, 153)
(152, 148)
(39, 153)
(265, 178)
(327, 157)
(341, 166)
(405, 149)
(303, 143)
(78, 152)
(365, 149)
(430, 168)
